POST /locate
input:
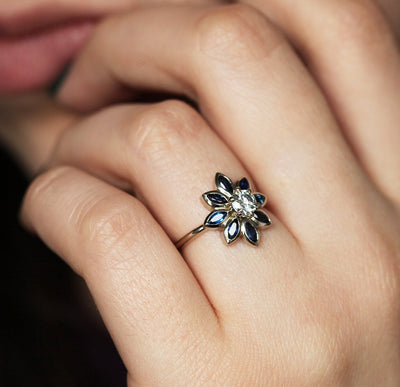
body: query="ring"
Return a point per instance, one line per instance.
(236, 209)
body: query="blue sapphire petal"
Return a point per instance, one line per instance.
(261, 218)
(232, 231)
(260, 199)
(215, 219)
(224, 184)
(243, 184)
(251, 233)
(215, 199)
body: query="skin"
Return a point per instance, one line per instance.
(310, 114)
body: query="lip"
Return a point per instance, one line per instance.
(38, 41)
(17, 18)
(33, 61)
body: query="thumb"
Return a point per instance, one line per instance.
(30, 126)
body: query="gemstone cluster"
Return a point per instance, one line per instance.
(237, 209)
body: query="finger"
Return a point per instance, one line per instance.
(30, 127)
(9, 24)
(170, 157)
(151, 303)
(354, 55)
(251, 87)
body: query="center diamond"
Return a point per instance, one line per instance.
(244, 202)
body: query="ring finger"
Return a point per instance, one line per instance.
(169, 155)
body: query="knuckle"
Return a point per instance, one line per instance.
(358, 22)
(108, 227)
(324, 356)
(323, 351)
(39, 191)
(162, 129)
(43, 182)
(236, 35)
(316, 356)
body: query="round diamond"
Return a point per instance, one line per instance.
(244, 202)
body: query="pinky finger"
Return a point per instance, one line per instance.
(149, 299)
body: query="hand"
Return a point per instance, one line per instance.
(317, 302)
(30, 121)
(32, 140)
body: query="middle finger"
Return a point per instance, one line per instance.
(246, 79)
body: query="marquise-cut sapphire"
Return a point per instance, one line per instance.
(224, 183)
(217, 199)
(233, 229)
(244, 184)
(260, 198)
(262, 217)
(251, 233)
(214, 219)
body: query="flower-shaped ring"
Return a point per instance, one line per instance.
(236, 209)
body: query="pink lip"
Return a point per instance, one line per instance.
(32, 61)
(19, 17)
(37, 42)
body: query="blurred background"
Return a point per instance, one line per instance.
(51, 332)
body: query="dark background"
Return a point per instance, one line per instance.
(51, 332)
